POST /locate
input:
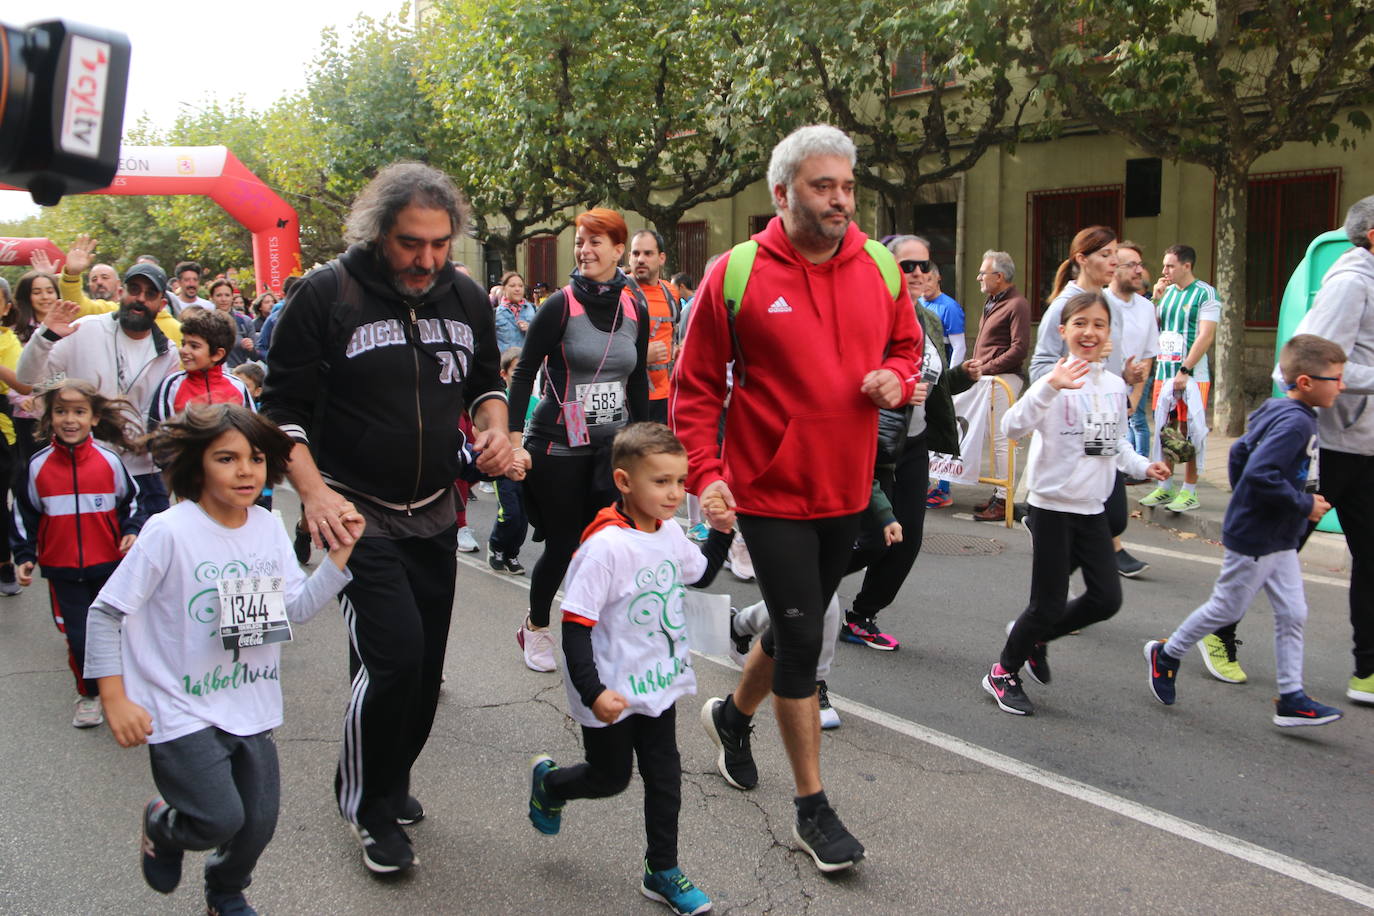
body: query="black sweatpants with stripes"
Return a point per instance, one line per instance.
(397, 609)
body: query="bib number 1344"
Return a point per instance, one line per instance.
(252, 612)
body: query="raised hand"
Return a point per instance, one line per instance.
(80, 255)
(60, 317)
(1068, 374)
(39, 261)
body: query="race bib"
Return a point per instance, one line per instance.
(252, 612)
(602, 402)
(1101, 432)
(1172, 347)
(1314, 467)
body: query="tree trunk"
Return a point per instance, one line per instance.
(1228, 402)
(506, 247)
(668, 229)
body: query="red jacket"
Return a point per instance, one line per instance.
(800, 437)
(76, 503)
(211, 386)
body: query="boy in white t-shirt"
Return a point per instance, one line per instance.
(185, 643)
(627, 660)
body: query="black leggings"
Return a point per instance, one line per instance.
(1062, 541)
(888, 567)
(610, 753)
(562, 495)
(1117, 515)
(799, 564)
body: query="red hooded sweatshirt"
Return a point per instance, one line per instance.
(800, 436)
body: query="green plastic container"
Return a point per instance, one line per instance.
(1297, 301)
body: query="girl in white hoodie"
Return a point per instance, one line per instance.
(1077, 412)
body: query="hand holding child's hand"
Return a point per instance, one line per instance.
(1068, 373)
(126, 543)
(129, 723)
(1159, 471)
(718, 506)
(1319, 507)
(608, 706)
(354, 525)
(892, 534)
(23, 574)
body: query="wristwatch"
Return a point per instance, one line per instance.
(1184, 370)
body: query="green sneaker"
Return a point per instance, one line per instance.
(1158, 497)
(1220, 658)
(546, 812)
(1183, 502)
(1361, 689)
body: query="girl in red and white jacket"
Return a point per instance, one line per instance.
(76, 515)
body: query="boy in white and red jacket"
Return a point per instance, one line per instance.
(206, 339)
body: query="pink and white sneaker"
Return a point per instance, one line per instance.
(866, 632)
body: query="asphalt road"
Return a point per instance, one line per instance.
(925, 769)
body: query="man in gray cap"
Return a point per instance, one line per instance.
(123, 354)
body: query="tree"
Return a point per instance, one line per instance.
(507, 157)
(848, 62)
(638, 106)
(362, 109)
(1217, 83)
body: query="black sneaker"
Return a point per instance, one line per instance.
(513, 567)
(227, 905)
(386, 851)
(735, 761)
(496, 561)
(1128, 565)
(302, 545)
(412, 812)
(825, 839)
(161, 865)
(1006, 690)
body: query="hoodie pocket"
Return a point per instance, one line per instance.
(822, 463)
(1351, 410)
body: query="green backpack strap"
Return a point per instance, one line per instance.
(737, 270)
(887, 266)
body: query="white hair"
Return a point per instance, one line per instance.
(1358, 221)
(802, 144)
(1002, 263)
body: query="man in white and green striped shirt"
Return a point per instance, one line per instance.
(1188, 313)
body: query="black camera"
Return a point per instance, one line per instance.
(62, 91)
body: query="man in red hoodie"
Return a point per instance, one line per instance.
(818, 343)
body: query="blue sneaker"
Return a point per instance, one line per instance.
(1297, 708)
(672, 887)
(161, 864)
(699, 532)
(1162, 671)
(546, 814)
(227, 905)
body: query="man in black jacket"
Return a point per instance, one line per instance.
(375, 357)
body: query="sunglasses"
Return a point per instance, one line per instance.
(910, 267)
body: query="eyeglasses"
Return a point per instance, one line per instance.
(910, 267)
(988, 273)
(1326, 378)
(1129, 265)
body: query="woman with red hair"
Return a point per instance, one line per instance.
(590, 339)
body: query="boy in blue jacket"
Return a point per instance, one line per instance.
(1274, 476)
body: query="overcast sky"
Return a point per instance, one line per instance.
(186, 53)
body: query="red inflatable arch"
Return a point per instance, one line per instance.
(216, 173)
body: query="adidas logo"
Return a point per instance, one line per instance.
(779, 306)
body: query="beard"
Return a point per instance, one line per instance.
(135, 317)
(813, 222)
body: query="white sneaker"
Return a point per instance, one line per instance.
(89, 713)
(485, 487)
(538, 646)
(740, 565)
(466, 542)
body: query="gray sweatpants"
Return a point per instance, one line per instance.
(753, 620)
(1280, 575)
(224, 791)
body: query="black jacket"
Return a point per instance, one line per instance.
(375, 382)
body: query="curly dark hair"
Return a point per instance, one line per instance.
(180, 443)
(115, 419)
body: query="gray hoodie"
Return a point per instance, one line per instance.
(1344, 312)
